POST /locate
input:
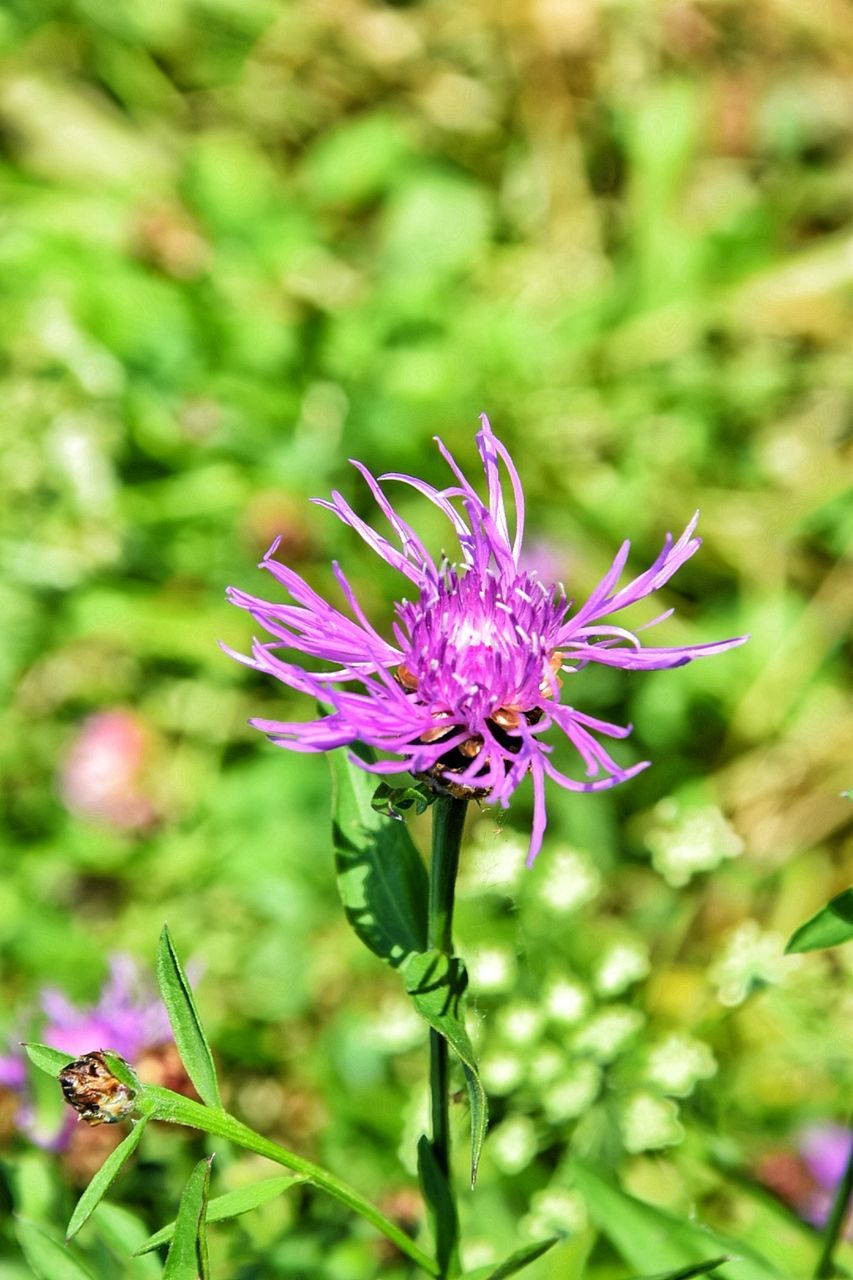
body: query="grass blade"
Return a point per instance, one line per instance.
(104, 1178)
(190, 1038)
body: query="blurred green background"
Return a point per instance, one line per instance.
(244, 240)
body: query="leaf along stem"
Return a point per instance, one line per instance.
(448, 820)
(163, 1104)
(835, 1222)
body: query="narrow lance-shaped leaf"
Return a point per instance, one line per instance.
(104, 1178)
(516, 1262)
(438, 1196)
(829, 927)
(230, 1205)
(685, 1273)
(51, 1061)
(186, 1024)
(436, 983)
(381, 877)
(187, 1258)
(47, 1257)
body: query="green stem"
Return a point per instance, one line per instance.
(835, 1222)
(163, 1104)
(447, 824)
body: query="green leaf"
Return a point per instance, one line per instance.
(51, 1061)
(187, 1258)
(381, 877)
(643, 1234)
(104, 1178)
(186, 1023)
(48, 1258)
(438, 1196)
(831, 925)
(515, 1262)
(123, 1233)
(436, 984)
(230, 1205)
(685, 1273)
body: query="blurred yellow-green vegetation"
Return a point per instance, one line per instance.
(244, 240)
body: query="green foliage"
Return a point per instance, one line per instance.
(186, 1024)
(829, 927)
(104, 1178)
(381, 877)
(49, 1258)
(187, 1258)
(520, 1259)
(230, 1205)
(436, 984)
(684, 1273)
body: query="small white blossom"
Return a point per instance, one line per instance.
(569, 1097)
(750, 958)
(554, 1210)
(396, 1027)
(513, 1144)
(520, 1023)
(608, 1031)
(625, 963)
(491, 970)
(477, 1253)
(547, 1064)
(569, 880)
(501, 1072)
(684, 844)
(567, 1001)
(677, 1063)
(649, 1123)
(494, 862)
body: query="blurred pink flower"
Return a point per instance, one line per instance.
(102, 778)
(825, 1149)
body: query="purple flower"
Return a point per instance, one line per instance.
(470, 684)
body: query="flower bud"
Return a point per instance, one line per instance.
(91, 1087)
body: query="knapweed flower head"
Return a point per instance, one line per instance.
(127, 1018)
(467, 686)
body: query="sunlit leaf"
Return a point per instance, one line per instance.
(186, 1024)
(51, 1061)
(645, 1235)
(230, 1205)
(832, 925)
(436, 984)
(49, 1258)
(381, 878)
(685, 1273)
(515, 1262)
(187, 1257)
(104, 1178)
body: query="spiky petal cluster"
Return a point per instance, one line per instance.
(470, 683)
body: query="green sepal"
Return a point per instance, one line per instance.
(392, 802)
(189, 1033)
(382, 880)
(230, 1205)
(829, 927)
(436, 984)
(104, 1178)
(187, 1257)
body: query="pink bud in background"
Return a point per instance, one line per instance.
(103, 777)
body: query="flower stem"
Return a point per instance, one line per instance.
(447, 824)
(835, 1222)
(163, 1104)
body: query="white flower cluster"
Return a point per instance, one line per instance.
(750, 958)
(685, 842)
(568, 881)
(649, 1123)
(678, 1063)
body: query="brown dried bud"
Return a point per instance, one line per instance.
(95, 1093)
